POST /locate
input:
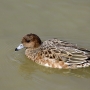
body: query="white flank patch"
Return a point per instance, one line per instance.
(47, 65)
(60, 67)
(86, 65)
(79, 66)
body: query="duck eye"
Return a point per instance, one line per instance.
(28, 41)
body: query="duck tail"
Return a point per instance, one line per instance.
(85, 50)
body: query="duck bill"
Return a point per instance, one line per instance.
(19, 47)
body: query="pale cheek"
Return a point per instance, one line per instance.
(30, 45)
(25, 45)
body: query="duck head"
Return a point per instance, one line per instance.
(29, 41)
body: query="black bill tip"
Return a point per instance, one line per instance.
(16, 49)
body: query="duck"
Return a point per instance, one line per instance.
(54, 53)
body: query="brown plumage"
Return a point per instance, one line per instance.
(54, 53)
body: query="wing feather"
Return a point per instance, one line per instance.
(67, 52)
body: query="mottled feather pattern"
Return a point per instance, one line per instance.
(54, 50)
(57, 53)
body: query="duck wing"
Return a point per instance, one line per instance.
(67, 52)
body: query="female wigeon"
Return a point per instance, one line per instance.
(54, 53)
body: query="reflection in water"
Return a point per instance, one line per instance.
(28, 67)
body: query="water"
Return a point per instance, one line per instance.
(64, 19)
